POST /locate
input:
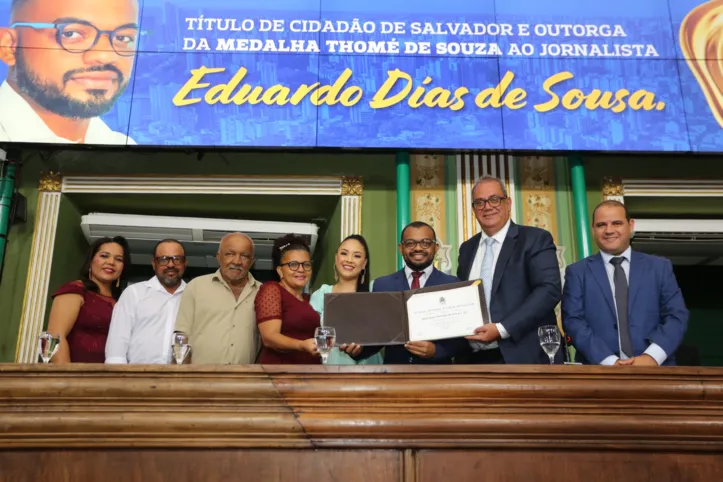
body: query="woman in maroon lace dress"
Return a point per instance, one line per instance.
(286, 319)
(82, 309)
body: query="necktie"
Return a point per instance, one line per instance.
(488, 270)
(415, 279)
(487, 275)
(621, 303)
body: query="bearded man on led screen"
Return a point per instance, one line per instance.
(68, 63)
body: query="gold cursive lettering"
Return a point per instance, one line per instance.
(616, 101)
(495, 96)
(436, 97)
(180, 99)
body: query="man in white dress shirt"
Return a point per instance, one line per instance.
(143, 319)
(68, 63)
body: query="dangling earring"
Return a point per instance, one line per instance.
(90, 274)
(117, 283)
(336, 274)
(363, 274)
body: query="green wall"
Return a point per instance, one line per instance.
(630, 167)
(701, 285)
(17, 258)
(378, 207)
(377, 170)
(565, 210)
(329, 239)
(69, 250)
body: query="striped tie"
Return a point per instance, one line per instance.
(487, 275)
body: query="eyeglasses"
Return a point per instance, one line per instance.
(412, 243)
(295, 265)
(493, 201)
(80, 36)
(164, 260)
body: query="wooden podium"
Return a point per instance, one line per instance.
(360, 424)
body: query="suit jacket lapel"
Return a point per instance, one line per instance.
(402, 280)
(598, 270)
(432, 281)
(469, 255)
(508, 247)
(635, 277)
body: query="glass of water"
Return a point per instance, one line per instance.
(549, 336)
(48, 345)
(325, 336)
(180, 347)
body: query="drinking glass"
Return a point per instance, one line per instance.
(325, 336)
(48, 345)
(180, 347)
(549, 340)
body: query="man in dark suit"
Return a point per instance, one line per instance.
(519, 271)
(622, 307)
(418, 247)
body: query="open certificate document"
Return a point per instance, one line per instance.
(444, 314)
(396, 317)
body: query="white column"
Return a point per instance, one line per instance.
(350, 216)
(352, 190)
(36, 289)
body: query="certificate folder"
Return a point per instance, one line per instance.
(384, 318)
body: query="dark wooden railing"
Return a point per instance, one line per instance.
(371, 423)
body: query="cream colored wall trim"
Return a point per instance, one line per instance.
(36, 288)
(673, 187)
(297, 185)
(619, 189)
(471, 167)
(52, 186)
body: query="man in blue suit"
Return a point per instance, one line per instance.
(622, 307)
(519, 270)
(418, 247)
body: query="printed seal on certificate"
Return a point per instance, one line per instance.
(397, 317)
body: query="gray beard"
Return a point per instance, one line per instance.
(168, 282)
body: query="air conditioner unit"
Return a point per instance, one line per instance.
(200, 236)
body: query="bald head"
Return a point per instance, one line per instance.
(17, 5)
(235, 237)
(235, 258)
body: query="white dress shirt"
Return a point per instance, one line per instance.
(426, 273)
(654, 349)
(20, 123)
(142, 324)
(476, 270)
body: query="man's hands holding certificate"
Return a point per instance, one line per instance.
(422, 349)
(351, 349)
(486, 333)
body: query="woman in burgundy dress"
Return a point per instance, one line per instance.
(82, 309)
(286, 319)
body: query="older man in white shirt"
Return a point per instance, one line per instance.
(143, 319)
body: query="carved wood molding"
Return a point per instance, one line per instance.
(570, 407)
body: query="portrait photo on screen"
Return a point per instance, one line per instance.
(66, 70)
